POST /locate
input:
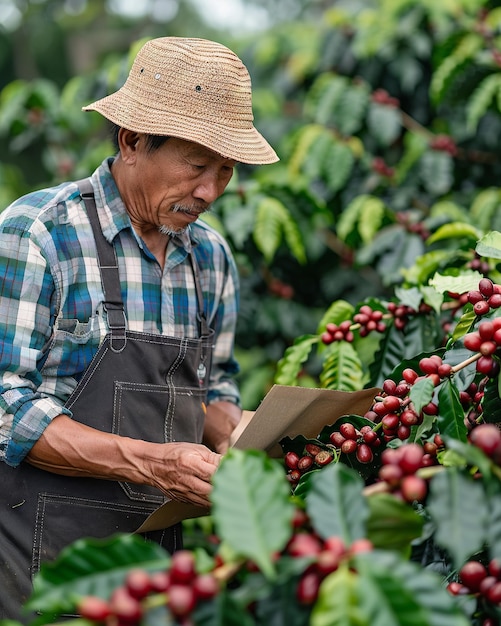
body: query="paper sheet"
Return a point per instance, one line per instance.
(285, 411)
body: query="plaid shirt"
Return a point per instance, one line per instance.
(51, 315)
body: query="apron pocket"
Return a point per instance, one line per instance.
(61, 520)
(158, 414)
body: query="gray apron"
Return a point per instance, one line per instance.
(138, 385)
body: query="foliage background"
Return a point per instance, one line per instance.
(385, 115)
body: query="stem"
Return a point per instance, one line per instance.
(466, 362)
(227, 570)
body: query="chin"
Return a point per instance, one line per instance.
(168, 230)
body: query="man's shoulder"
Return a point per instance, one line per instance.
(40, 205)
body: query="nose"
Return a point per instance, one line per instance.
(209, 188)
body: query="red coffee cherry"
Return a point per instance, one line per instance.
(364, 453)
(486, 287)
(182, 569)
(472, 574)
(413, 488)
(93, 608)
(307, 589)
(138, 583)
(348, 431)
(305, 463)
(205, 586)
(181, 600)
(291, 460)
(487, 437)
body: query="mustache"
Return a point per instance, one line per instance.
(191, 208)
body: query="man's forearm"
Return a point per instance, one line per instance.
(74, 449)
(182, 471)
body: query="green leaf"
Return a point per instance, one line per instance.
(451, 413)
(251, 506)
(466, 281)
(92, 567)
(466, 454)
(394, 592)
(490, 245)
(338, 602)
(290, 364)
(391, 349)
(338, 166)
(384, 123)
(425, 265)
(350, 109)
(335, 503)
(392, 524)
(464, 324)
(273, 220)
(364, 211)
(421, 393)
(455, 230)
(306, 138)
(494, 520)
(337, 312)
(458, 508)
(323, 96)
(482, 98)
(341, 368)
(467, 47)
(485, 206)
(223, 609)
(437, 172)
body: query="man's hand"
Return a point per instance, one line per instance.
(185, 473)
(220, 421)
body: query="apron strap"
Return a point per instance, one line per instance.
(201, 318)
(108, 267)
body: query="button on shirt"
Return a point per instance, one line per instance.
(51, 314)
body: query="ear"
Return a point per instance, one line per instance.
(128, 141)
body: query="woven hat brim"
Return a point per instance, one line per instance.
(245, 145)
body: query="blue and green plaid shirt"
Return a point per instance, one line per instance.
(51, 316)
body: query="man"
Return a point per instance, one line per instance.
(117, 317)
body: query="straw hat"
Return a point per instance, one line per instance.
(193, 89)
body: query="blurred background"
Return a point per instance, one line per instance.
(385, 113)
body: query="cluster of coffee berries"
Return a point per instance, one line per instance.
(359, 443)
(180, 589)
(313, 457)
(280, 289)
(381, 96)
(394, 410)
(444, 143)
(333, 332)
(487, 437)
(399, 467)
(369, 320)
(479, 264)
(380, 166)
(326, 556)
(471, 401)
(365, 321)
(486, 297)
(486, 340)
(400, 313)
(482, 581)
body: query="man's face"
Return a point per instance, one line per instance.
(170, 187)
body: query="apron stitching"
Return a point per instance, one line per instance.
(169, 415)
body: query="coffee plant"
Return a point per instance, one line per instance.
(384, 519)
